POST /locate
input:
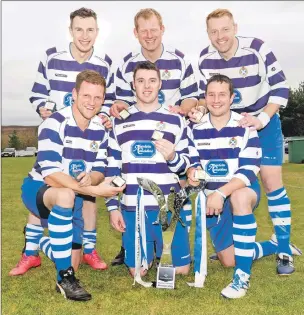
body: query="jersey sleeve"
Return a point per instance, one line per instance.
(279, 90)
(50, 146)
(249, 158)
(41, 87)
(188, 87)
(123, 88)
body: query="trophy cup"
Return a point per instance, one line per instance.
(165, 270)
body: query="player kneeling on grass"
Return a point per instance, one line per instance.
(133, 153)
(230, 156)
(72, 144)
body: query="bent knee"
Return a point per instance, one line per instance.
(65, 195)
(182, 270)
(243, 199)
(226, 261)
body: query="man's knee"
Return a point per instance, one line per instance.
(271, 177)
(226, 261)
(242, 201)
(182, 270)
(65, 196)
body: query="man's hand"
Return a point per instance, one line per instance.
(166, 148)
(175, 109)
(250, 121)
(105, 120)
(117, 107)
(44, 113)
(117, 221)
(194, 112)
(104, 189)
(191, 178)
(215, 204)
(84, 179)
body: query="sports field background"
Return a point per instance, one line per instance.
(112, 290)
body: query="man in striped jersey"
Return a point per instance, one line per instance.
(230, 156)
(71, 159)
(260, 89)
(179, 89)
(55, 80)
(133, 153)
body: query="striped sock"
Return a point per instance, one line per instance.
(244, 233)
(262, 249)
(45, 246)
(33, 234)
(89, 241)
(279, 210)
(187, 208)
(61, 234)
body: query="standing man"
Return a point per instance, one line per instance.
(134, 152)
(179, 89)
(260, 90)
(72, 146)
(55, 80)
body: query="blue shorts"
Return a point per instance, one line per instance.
(32, 197)
(221, 232)
(180, 245)
(271, 139)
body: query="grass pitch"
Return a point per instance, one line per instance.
(112, 290)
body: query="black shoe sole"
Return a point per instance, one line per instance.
(80, 299)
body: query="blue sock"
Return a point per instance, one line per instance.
(89, 241)
(33, 234)
(45, 246)
(262, 249)
(279, 210)
(61, 234)
(244, 233)
(187, 208)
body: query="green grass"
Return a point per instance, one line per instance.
(112, 290)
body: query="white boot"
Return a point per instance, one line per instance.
(238, 287)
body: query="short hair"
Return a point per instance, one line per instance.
(221, 78)
(89, 76)
(147, 14)
(218, 13)
(83, 13)
(146, 65)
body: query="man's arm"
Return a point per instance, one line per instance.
(41, 88)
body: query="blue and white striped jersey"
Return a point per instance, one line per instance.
(57, 73)
(232, 152)
(133, 154)
(257, 76)
(64, 147)
(178, 80)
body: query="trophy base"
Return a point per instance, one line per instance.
(165, 277)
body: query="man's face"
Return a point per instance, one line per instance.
(84, 32)
(149, 33)
(147, 85)
(218, 99)
(221, 32)
(89, 99)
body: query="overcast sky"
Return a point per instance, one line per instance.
(29, 28)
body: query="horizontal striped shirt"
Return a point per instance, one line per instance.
(232, 152)
(133, 154)
(178, 80)
(257, 76)
(64, 147)
(57, 73)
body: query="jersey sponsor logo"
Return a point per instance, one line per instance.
(243, 72)
(217, 168)
(203, 143)
(76, 167)
(61, 75)
(211, 74)
(141, 149)
(237, 97)
(160, 126)
(161, 97)
(68, 100)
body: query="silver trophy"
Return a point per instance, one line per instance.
(173, 205)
